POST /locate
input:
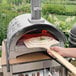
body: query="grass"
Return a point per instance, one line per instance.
(63, 18)
(70, 8)
(63, 9)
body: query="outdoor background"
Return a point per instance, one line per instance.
(61, 13)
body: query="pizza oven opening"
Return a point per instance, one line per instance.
(15, 42)
(35, 33)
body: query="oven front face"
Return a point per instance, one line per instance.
(53, 71)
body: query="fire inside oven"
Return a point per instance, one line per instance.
(36, 33)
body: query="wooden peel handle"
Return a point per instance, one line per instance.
(64, 61)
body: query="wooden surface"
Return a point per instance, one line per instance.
(24, 58)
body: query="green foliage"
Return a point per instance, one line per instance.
(0, 1)
(59, 9)
(0, 53)
(12, 8)
(6, 16)
(17, 2)
(7, 13)
(24, 9)
(64, 23)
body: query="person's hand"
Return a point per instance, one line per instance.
(66, 52)
(58, 49)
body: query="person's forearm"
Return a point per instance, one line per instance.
(66, 52)
(70, 52)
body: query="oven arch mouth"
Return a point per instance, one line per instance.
(50, 28)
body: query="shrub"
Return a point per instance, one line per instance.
(64, 24)
(7, 13)
(23, 8)
(5, 17)
(59, 9)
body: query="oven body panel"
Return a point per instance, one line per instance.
(42, 67)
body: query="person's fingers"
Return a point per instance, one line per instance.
(49, 51)
(53, 49)
(57, 49)
(50, 54)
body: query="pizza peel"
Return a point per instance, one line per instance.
(46, 42)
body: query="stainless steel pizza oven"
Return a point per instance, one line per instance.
(27, 26)
(21, 28)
